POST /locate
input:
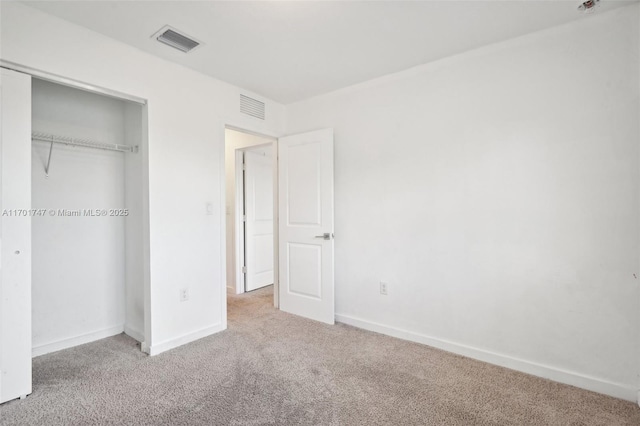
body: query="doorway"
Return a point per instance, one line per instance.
(251, 211)
(302, 220)
(75, 254)
(87, 173)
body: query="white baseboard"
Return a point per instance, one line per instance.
(133, 333)
(617, 390)
(184, 339)
(75, 341)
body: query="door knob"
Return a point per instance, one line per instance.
(325, 236)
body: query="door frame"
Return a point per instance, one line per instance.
(238, 223)
(65, 81)
(143, 151)
(238, 227)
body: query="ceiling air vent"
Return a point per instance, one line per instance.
(251, 107)
(589, 6)
(176, 39)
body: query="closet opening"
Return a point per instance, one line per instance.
(251, 213)
(90, 232)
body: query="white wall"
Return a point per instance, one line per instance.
(497, 193)
(187, 112)
(78, 281)
(235, 140)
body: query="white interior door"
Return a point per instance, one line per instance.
(15, 235)
(305, 177)
(258, 196)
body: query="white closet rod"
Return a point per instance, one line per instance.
(86, 143)
(65, 140)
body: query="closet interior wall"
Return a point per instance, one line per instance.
(87, 269)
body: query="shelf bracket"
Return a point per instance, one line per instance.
(46, 169)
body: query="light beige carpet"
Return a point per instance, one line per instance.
(273, 368)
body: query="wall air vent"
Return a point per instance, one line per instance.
(176, 39)
(252, 107)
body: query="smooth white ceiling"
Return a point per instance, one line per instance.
(289, 51)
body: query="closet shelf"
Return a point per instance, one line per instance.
(86, 143)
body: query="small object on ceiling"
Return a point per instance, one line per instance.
(176, 39)
(589, 6)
